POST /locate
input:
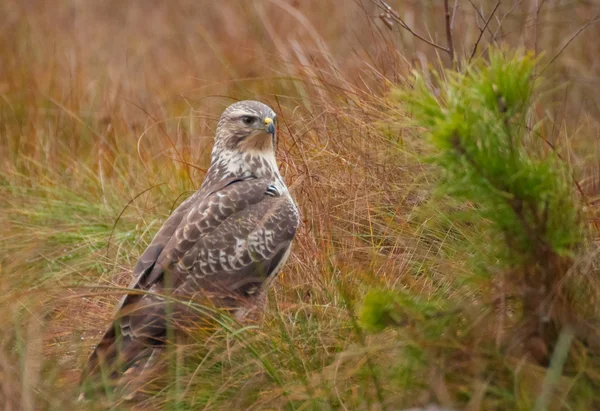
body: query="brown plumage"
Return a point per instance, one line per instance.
(221, 247)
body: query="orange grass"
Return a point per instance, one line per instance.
(107, 111)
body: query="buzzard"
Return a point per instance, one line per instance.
(221, 247)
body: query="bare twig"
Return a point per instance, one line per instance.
(593, 20)
(481, 16)
(392, 15)
(508, 13)
(454, 13)
(483, 30)
(449, 32)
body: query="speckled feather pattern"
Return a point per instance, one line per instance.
(224, 244)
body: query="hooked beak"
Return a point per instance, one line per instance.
(269, 125)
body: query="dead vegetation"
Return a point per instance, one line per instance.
(106, 118)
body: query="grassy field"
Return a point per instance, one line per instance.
(397, 293)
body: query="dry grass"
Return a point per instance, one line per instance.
(107, 112)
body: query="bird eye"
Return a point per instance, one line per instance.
(248, 120)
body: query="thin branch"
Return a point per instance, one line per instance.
(483, 29)
(454, 13)
(593, 20)
(449, 32)
(481, 16)
(508, 13)
(391, 14)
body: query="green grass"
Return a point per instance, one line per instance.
(402, 289)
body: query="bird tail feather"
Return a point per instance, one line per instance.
(119, 363)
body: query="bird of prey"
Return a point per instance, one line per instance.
(222, 246)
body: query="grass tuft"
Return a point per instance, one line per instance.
(438, 209)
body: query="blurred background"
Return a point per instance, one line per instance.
(107, 114)
(106, 61)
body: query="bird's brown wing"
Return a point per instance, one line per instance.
(225, 245)
(242, 254)
(145, 272)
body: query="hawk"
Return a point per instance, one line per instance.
(222, 246)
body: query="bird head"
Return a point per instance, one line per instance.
(247, 126)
